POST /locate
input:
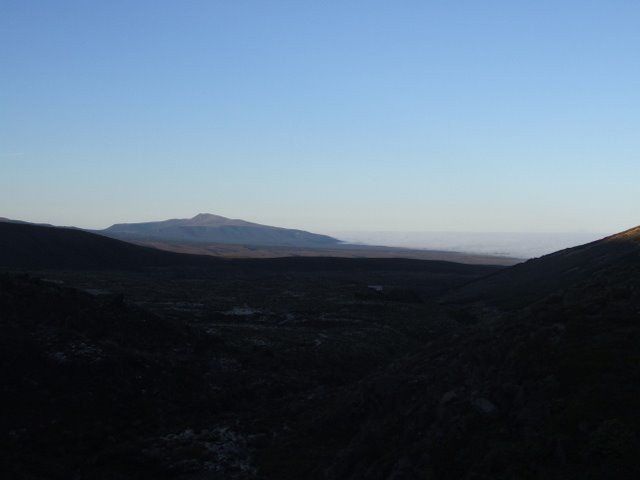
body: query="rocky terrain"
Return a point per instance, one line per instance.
(324, 368)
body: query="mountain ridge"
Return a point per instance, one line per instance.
(210, 228)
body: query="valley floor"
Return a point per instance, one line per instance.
(288, 373)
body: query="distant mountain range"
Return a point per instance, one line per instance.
(25, 245)
(208, 228)
(28, 246)
(217, 236)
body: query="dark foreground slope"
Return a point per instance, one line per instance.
(548, 389)
(274, 371)
(612, 260)
(186, 372)
(84, 378)
(34, 246)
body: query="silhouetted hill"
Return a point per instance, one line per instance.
(207, 228)
(33, 246)
(10, 220)
(600, 264)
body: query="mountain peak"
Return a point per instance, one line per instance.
(211, 220)
(204, 219)
(202, 216)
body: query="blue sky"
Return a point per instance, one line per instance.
(325, 115)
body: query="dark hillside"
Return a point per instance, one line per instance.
(539, 394)
(319, 367)
(548, 390)
(33, 246)
(82, 375)
(597, 264)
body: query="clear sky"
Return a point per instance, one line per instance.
(325, 115)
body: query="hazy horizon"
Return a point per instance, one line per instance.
(509, 244)
(327, 231)
(523, 245)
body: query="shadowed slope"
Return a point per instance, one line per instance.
(76, 370)
(322, 377)
(547, 389)
(33, 246)
(605, 261)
